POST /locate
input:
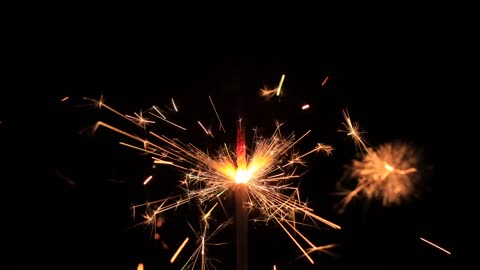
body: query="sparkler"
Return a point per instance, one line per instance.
(241, 197)
(387, 173)
(262, 181)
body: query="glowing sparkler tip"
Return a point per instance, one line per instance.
(242, 176)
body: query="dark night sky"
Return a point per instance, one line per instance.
(67, 194)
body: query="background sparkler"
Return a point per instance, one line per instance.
(389, 173)
(66, 197)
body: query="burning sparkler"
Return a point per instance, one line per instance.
(263, 179)
(387, 173)
(241, 195)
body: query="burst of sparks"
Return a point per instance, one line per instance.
(268, 175)
(204, 236)
(138, 118)
(353, 130)
(387, 173)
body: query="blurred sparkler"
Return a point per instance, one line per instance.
(387, 173)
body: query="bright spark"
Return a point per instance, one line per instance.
(325, 81)
(179, 250)
(435, 245)
(174, 106)
(147, 180)
(353, 130)
(159, 112)
(204, 129)
(139, 119)
(280, 84)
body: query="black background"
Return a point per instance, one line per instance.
(68, 194)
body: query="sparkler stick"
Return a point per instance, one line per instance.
(241, 196)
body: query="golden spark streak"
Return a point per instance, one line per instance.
(179, 250)
(205, 217)
(101, 104)
(280, 85)
(169, 122)
(121, 131)
(327, 148)
(159, 112)
(294, 241)
(64, 99)
(204, 129)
